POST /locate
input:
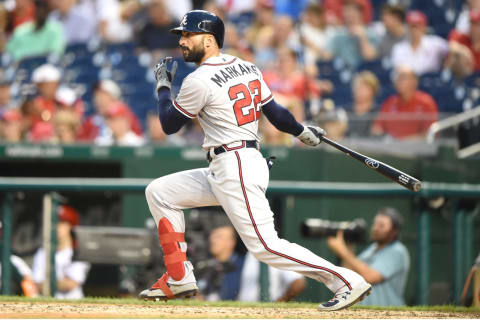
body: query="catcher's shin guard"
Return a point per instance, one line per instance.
(173, 256)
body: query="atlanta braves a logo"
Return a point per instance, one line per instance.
(372, 163)
(184, 20)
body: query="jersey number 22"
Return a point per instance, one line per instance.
(244, 111)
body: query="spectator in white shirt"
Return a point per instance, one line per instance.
(178, 8)
(72, 14)
(118, 120)
(423, 53)
(70, 274)
(113, 23)
(315, 32)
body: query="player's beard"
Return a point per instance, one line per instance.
(195, 54)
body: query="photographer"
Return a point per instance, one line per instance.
(221, 278)
(235, 276)
(385, 263)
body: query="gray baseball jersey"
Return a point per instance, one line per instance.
(226, 94)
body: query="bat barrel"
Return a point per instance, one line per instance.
(394, 174)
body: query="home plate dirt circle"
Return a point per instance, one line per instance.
(162, 310)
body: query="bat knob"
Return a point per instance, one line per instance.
(417, 186)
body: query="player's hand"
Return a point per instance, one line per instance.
(162, 75)
(311, 135)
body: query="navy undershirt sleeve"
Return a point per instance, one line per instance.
(282, 118)
(171, 119)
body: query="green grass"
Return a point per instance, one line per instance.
(235, 304)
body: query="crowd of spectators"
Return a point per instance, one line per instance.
(359, 68)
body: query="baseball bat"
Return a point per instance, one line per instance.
(396, 175)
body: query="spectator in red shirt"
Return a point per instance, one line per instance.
(288, 80)
(106, 94)
(41, 110)
(466, 46)
(407, 114)
(11, 126)
(47, 79)
(118, 120)
(67, 124)
(293, 87)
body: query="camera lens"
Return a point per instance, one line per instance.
(354, 231)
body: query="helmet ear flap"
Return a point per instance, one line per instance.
(205, 25)
(209, 27)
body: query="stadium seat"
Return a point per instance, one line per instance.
(131, 76)
(243, 21)
(32, 63)
(26, 67)
(82, 72)
(141, 101)
(328, 71)
(377, 67)
(448, 101)
(441, 14)
(77, 49)
(125, 48)
(448, 95)
(473, 81)
(342, 96)
(377, 8)
(84, 61)
(123, 61)
(431, 80)
(86, 78)
(386, 90)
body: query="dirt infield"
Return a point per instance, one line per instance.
(163, 310)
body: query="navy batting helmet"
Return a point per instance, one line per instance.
(202, 21)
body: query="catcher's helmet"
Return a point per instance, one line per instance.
(202, 21)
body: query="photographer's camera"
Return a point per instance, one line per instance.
(353, 231)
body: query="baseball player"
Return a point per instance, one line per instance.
(228, 95)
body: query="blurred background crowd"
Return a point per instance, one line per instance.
(80, 71)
